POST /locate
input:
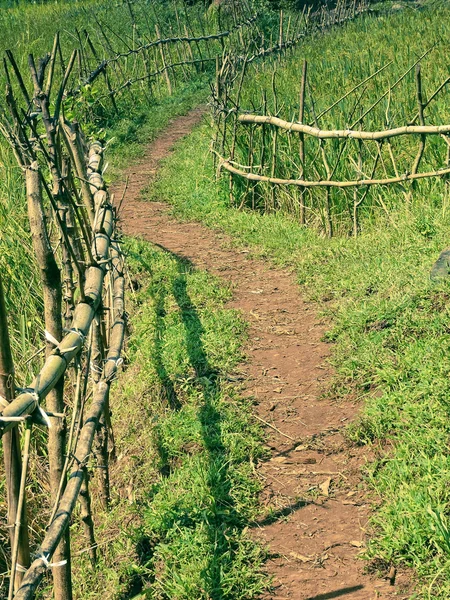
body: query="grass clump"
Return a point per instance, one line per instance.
(185, 488)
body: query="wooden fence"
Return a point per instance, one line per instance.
(265, 154)
(83, 289)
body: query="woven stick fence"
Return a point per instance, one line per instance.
(73, 229)
(72, 222)
(158, 65)
(265, 154)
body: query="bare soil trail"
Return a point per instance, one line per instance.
(315, 506)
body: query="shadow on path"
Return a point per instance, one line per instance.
(337, 593)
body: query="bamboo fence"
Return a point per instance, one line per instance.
(157, 65)
(77, 247)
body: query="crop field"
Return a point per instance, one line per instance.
(224, 300)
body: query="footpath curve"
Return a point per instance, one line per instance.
(316, 507)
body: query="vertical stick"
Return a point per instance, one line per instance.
(105, 74)
(280, 39)
(74, 146)
(52, 292)
(263, 144)
(275, 141)
(163, 59)
(86, 517)
(11, 448)
(233, 142)
(101, 440)
(20, 506)
(420, 106)
(355, 192)
(188, 47)
(301, 115)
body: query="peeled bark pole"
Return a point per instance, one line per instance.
(355, 134)
(52, 293)
(84, 446)
(11, 449)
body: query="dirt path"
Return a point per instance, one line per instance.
(315, 508)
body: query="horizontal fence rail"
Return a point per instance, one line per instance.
(342, 134)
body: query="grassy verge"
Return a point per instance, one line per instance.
(129, 133)
(185, 488)
(391, 334)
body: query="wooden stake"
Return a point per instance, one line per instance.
(20, 505)
(86, 517)
(301, 116)
(52, 293)
(11, 450)
(163, 59)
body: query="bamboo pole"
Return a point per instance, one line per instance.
(52, 293)
(71, 138)
(86, 518)
(11, 451)
(56, 364)
(84, 445)
(18, 525)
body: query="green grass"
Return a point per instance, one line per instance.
(187, 444)
(389, 324)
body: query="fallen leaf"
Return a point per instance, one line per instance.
(301, 557)
(325, 487)
(300, 448)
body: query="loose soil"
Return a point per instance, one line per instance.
(315, 508)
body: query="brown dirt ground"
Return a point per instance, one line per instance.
(315, 506)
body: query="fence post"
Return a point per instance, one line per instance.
(11, 447)
(52, 292)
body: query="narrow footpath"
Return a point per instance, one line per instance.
(314, 504)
